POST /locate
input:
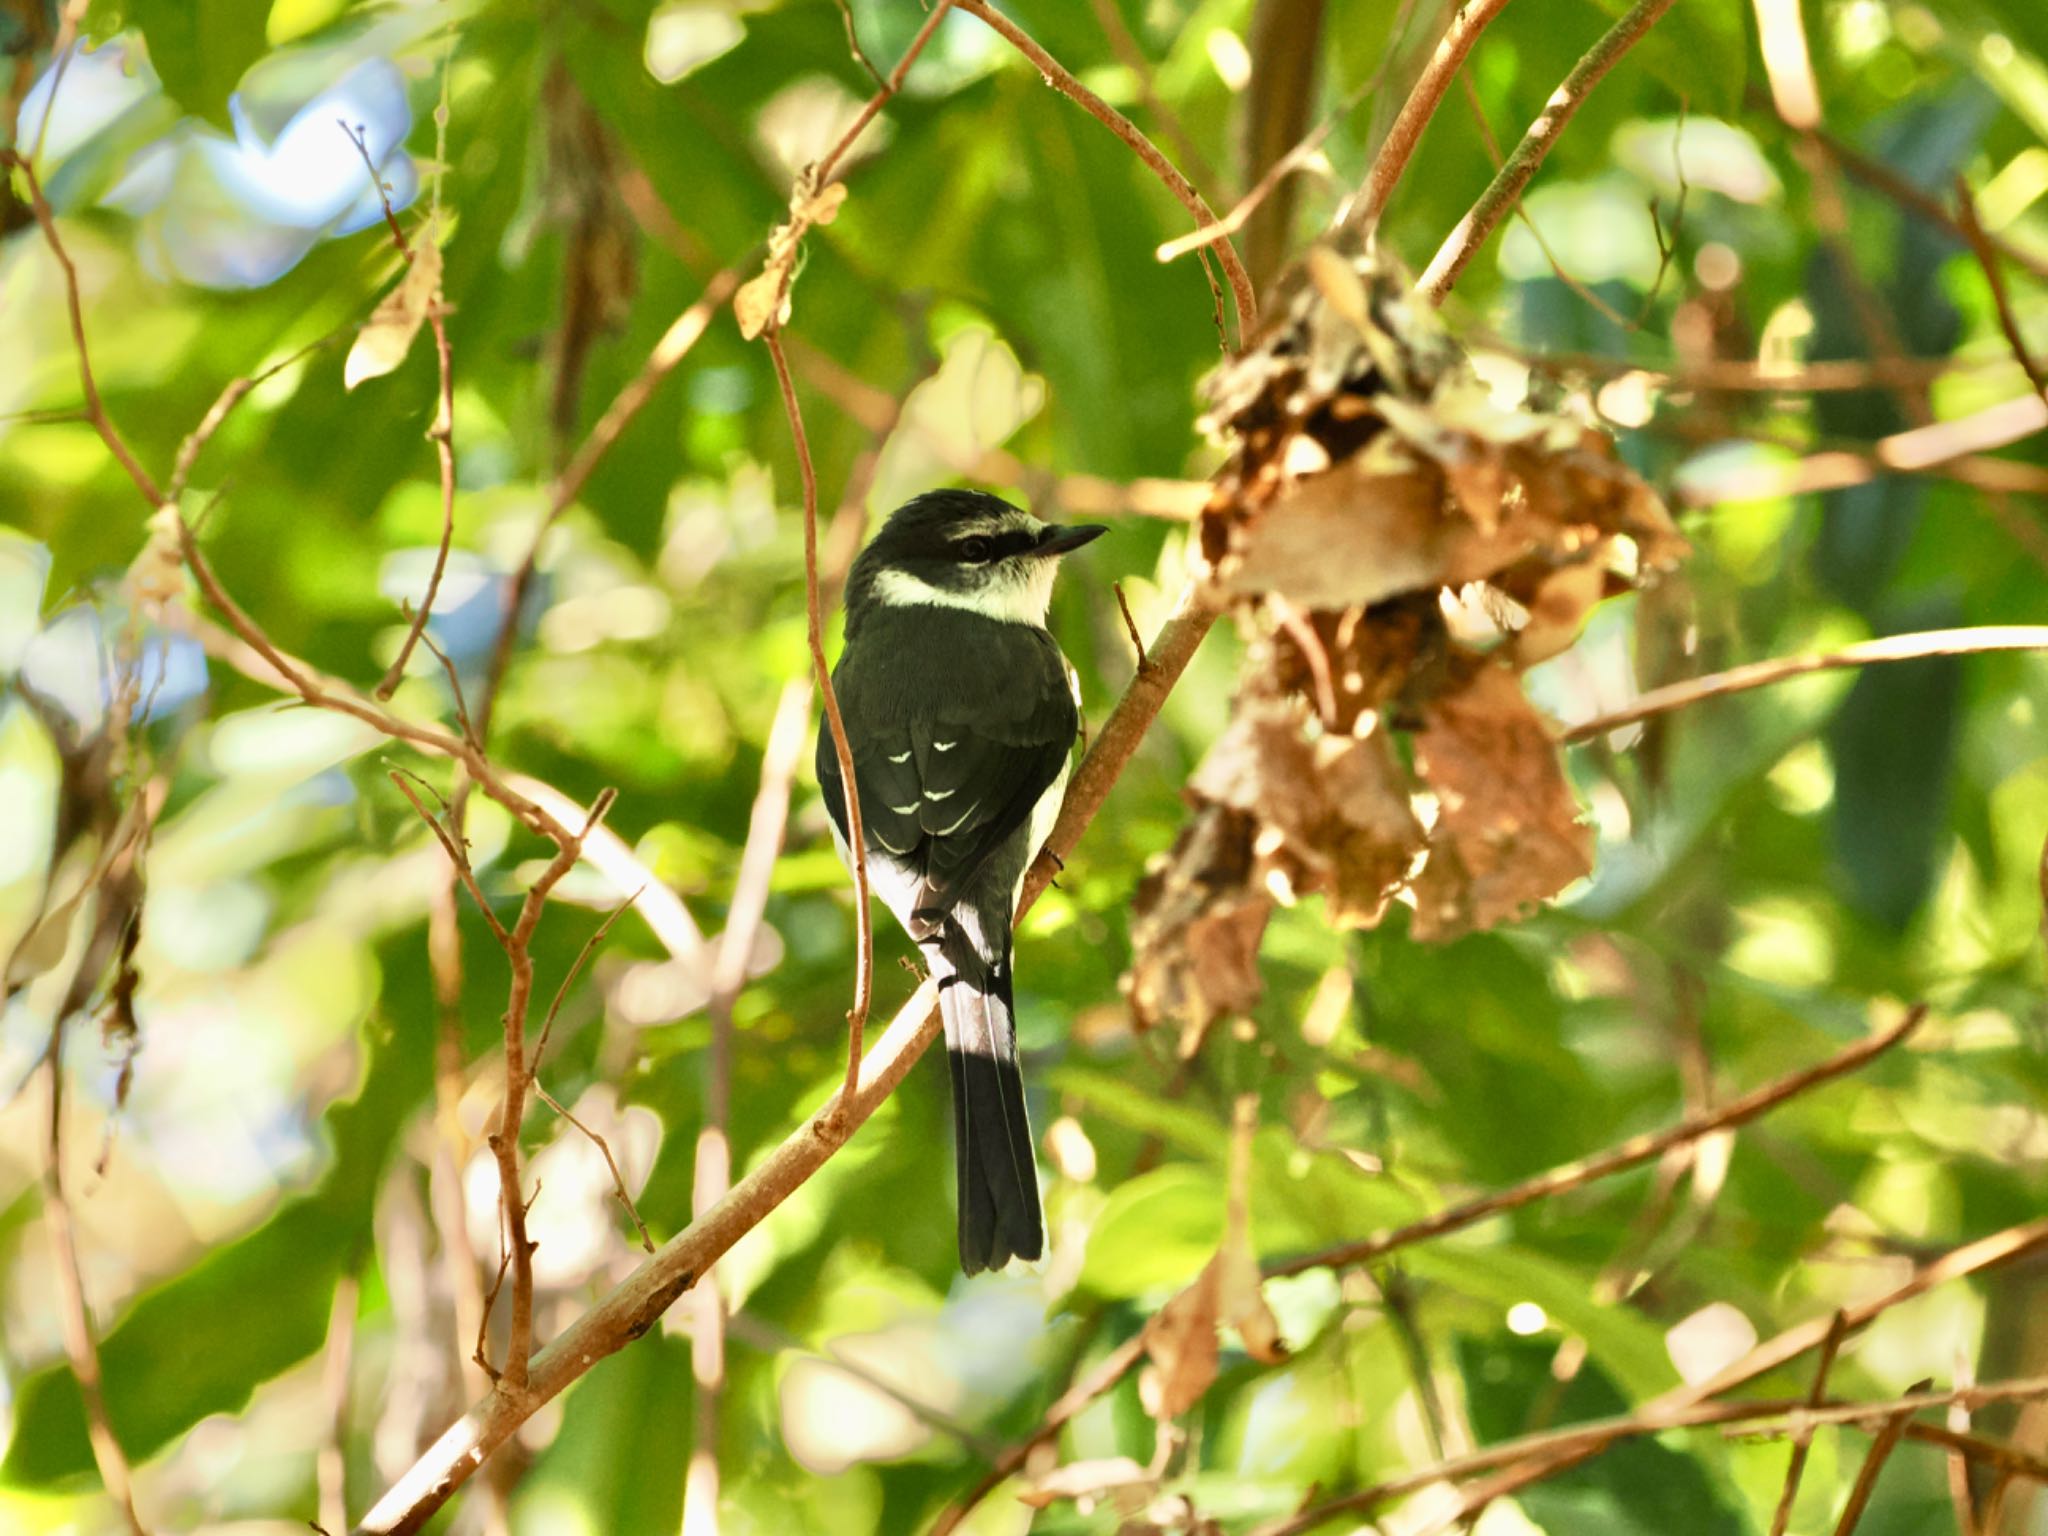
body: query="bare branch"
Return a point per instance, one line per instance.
(1558, 1447)
(1467, 23)
(1061, 79)
(235, 392)
(1631, 1153)
(856, 837)
(1803, 1442)
(95, 407)
(331, 1464)
(1759, 674)
(457, 857)
(610, 1162)
(1472, 230)
(1866, 1480)
(1987, 258)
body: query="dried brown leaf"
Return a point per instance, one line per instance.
(1508, 832)
(1196, 926)
(1240, 1299)
(388, 334)
(762, 299)
(1181, 1339)
(1084, 1479)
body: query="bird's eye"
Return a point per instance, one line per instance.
(976, 549)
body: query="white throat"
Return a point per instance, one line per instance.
(1018, 591)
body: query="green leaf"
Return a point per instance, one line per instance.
(201, 48)
(1893, 743)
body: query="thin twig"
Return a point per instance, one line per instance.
(95, 407)
(232, 395)
(1881, 1449)
(1974, 641)
(604, 1148)
(856, 837)
(1423, 100)
(1558, 269)
(1303, 156)
(675, 343)
(331, 1465)
(1882, 179)
(644, 891)
(1987, 258)
(1285, 40)
(1107, 1372)
(1802, 1442)
(821, 174)
(590, 947)
(1061, 79)
(853, 46)
(1985, 1253)
(1472, 230)
(456, 856)
(441, 433)
(504, 1141)
(80, 1345)
(1123, 606)
(1631, 1153)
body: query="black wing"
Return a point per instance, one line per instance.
(950, 765)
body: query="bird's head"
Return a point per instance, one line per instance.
(963, 549)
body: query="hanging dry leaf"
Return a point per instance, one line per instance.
(1508, 832)
(1196, 926)
(759, 299)
(388, 335)
(763, 300)
(1181, 1339)
(1084, 1480)
(1240, 1298)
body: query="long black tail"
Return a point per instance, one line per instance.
(999, 1212)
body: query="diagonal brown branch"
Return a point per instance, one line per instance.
(95, 407)
(1881, 1449)
(1760, 674)
(1061, 79)
(1632, 1153)
(1802, 1441)
(856, 837)
(1501, 194)
(1467, 23)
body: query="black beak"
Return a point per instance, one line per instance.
(1065, 540)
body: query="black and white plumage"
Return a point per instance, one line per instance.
(961, 714)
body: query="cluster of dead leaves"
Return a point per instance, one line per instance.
(1399, 546)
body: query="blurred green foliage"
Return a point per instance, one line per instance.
(1771, 866)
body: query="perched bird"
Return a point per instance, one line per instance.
(961, 714)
